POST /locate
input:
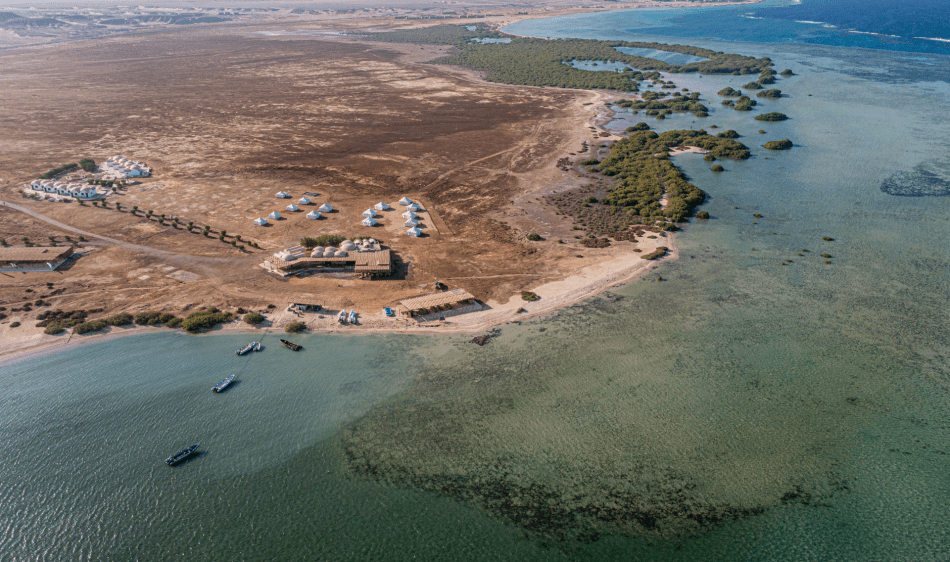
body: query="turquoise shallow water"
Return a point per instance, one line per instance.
(816, 392)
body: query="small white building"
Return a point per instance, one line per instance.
(283, 195)
(414, 232)
(292, 208)
(369, 213)
(303, 201)
(409, 215)
(325, 208)
(314, 215)
(369, 221)
(411, 222)
(260, 222)
(381, 206)
(274, 215)
(405, 201)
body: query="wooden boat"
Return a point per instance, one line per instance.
(291, 345)
(182, 455)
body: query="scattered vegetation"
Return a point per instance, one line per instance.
(774, 93)
(595, 242)
(656, 254)
(729, 134)
(14, 324)
(638, 127)
(529, 296)
(153, 318)
(121, 319)
(90, 327)
(59, 170)
(771, 116)
(729, 92)
(784, 144)
(57, 321)
(655, 107)
(717, 168)
(534, 237)
(702, 214)
(205, 319)
(295, 327)
(325, 240)
(87, 164)
(253, 318)
(787, 72)
(753, 86)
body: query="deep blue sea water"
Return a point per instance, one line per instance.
(921, 26)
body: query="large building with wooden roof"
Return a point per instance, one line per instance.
(33, 258)
(436, 302)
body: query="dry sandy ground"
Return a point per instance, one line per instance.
(227, 119)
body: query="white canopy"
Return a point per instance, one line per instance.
(340, 254)
(282, 195)
(313, 215)
(405, 201)
(409, 215)
(303, 201)
(381, 206)
(411, 222)
(369, 221)
(348, 246)
(275, 215)
(369, 213)
(292, 207)
(325, 208)
(260, 221)
(413, 207)
(414, 232)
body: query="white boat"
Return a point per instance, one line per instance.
(341, 318)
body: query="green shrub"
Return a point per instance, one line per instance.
(717, 168)
(709, 158)
(771, 116)
(729, 134)
(729, 92)
(91, 326)
(784, 144)
(753, 86)
(770, 94)
(173, 323)
(787, 72)
(253, 318)
(656, 254)
(121, 319)
(534, 237)
(702, 214)
(14, 324)
(205, 319)
(638, 127)
(54, 328)
(589, 162)
(295, 327)
(325, 240)
(529, 296)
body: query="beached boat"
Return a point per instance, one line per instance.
(341, 318)
(291, 345)
(223, 384)
(352, 316)
(253, 346)
(182, 455)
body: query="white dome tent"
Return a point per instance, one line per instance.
(329, 251)
(325, 208)
(369, 213)
(274, 215)
(313, 215)
(339, 254)
(317, 252)
(292, 208)
(405, 201)
(381, 206)
(260, 222)
(347, 246)
(414, 232)
(369, 221)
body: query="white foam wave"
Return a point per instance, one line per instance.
(934, 39)
(811, 22)
(871, 33)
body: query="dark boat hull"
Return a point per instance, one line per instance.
(181, 456)
(223, 385)
(291, 345)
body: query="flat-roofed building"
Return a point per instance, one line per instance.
(36, 258)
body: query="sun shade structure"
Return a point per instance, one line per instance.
(292, 208)
(369, 221)
(409, 215)
(414, 232)
(405, 201)
(303, 201)
(275, 215)
(260, 222)
(411, 222)
(369, 213)
(412, 207)
(381, 206)
(283, 195)
(325, 208)
(313, 215)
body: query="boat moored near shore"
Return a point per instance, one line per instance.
(253, 346)
(221, 386)
(291, 345)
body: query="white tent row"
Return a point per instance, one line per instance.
(313, 215)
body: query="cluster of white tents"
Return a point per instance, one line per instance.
(369, 215)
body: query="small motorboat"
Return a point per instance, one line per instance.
(291, 345)
(253, 346)
(182, 455)
(223, 384)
